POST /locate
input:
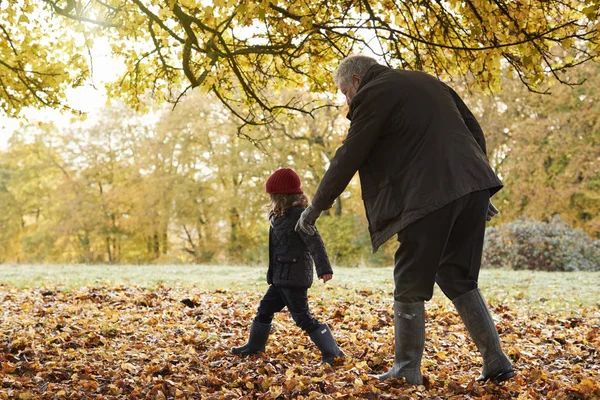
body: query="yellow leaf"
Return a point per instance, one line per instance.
(306, 22)
(275, 391)
(188, 3)
(128, 367)
(587, 387)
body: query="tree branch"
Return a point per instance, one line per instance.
(66, 12)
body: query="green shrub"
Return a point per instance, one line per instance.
(345, 238)
(544, 246)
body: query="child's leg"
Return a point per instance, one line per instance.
(271, 303)
(297, 302)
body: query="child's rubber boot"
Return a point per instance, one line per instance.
(259, 333)
(325, 341)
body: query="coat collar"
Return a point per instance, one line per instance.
(372, 72)
(276, 220)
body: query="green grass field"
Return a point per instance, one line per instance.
(552, 291)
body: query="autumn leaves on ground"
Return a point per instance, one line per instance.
(171, 341)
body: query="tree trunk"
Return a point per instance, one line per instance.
(108, 250)
(156, 245)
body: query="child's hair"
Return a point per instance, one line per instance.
(281, 202)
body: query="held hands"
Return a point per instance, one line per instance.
(326, 277)
(306, 222)
(492, 212)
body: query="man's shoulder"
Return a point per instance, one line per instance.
(391, 80)
(395, 81)
(408, 76)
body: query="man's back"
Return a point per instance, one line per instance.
(424, 157)
(425, 121)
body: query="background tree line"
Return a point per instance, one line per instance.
(185, 186)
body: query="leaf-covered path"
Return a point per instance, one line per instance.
(129, 342)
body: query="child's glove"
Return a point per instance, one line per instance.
(306, 222)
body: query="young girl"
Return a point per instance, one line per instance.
(290, 273)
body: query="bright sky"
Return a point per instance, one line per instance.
(87, 98)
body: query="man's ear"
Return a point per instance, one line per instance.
(356, 79)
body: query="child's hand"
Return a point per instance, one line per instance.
(326, 277)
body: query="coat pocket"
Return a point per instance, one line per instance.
(285, 259)
(287, 265)
(381, 204)
(372, 190)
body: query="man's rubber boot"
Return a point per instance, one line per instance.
(477, 318)
(325, 341)
(259, 333)
(409, 338)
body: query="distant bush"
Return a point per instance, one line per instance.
(345, 238)
(543, 246)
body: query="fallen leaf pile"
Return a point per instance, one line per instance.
(173, 343)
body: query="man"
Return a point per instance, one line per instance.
(425, 176)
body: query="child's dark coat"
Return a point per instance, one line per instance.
(291, 254)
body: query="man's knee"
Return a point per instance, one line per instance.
(412, 293)
(453, 288)
(412, 285)
(413, 282)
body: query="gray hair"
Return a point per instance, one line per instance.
(352, 65)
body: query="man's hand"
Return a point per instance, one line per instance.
(306, 223)
(492, 212)
(326, 277)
